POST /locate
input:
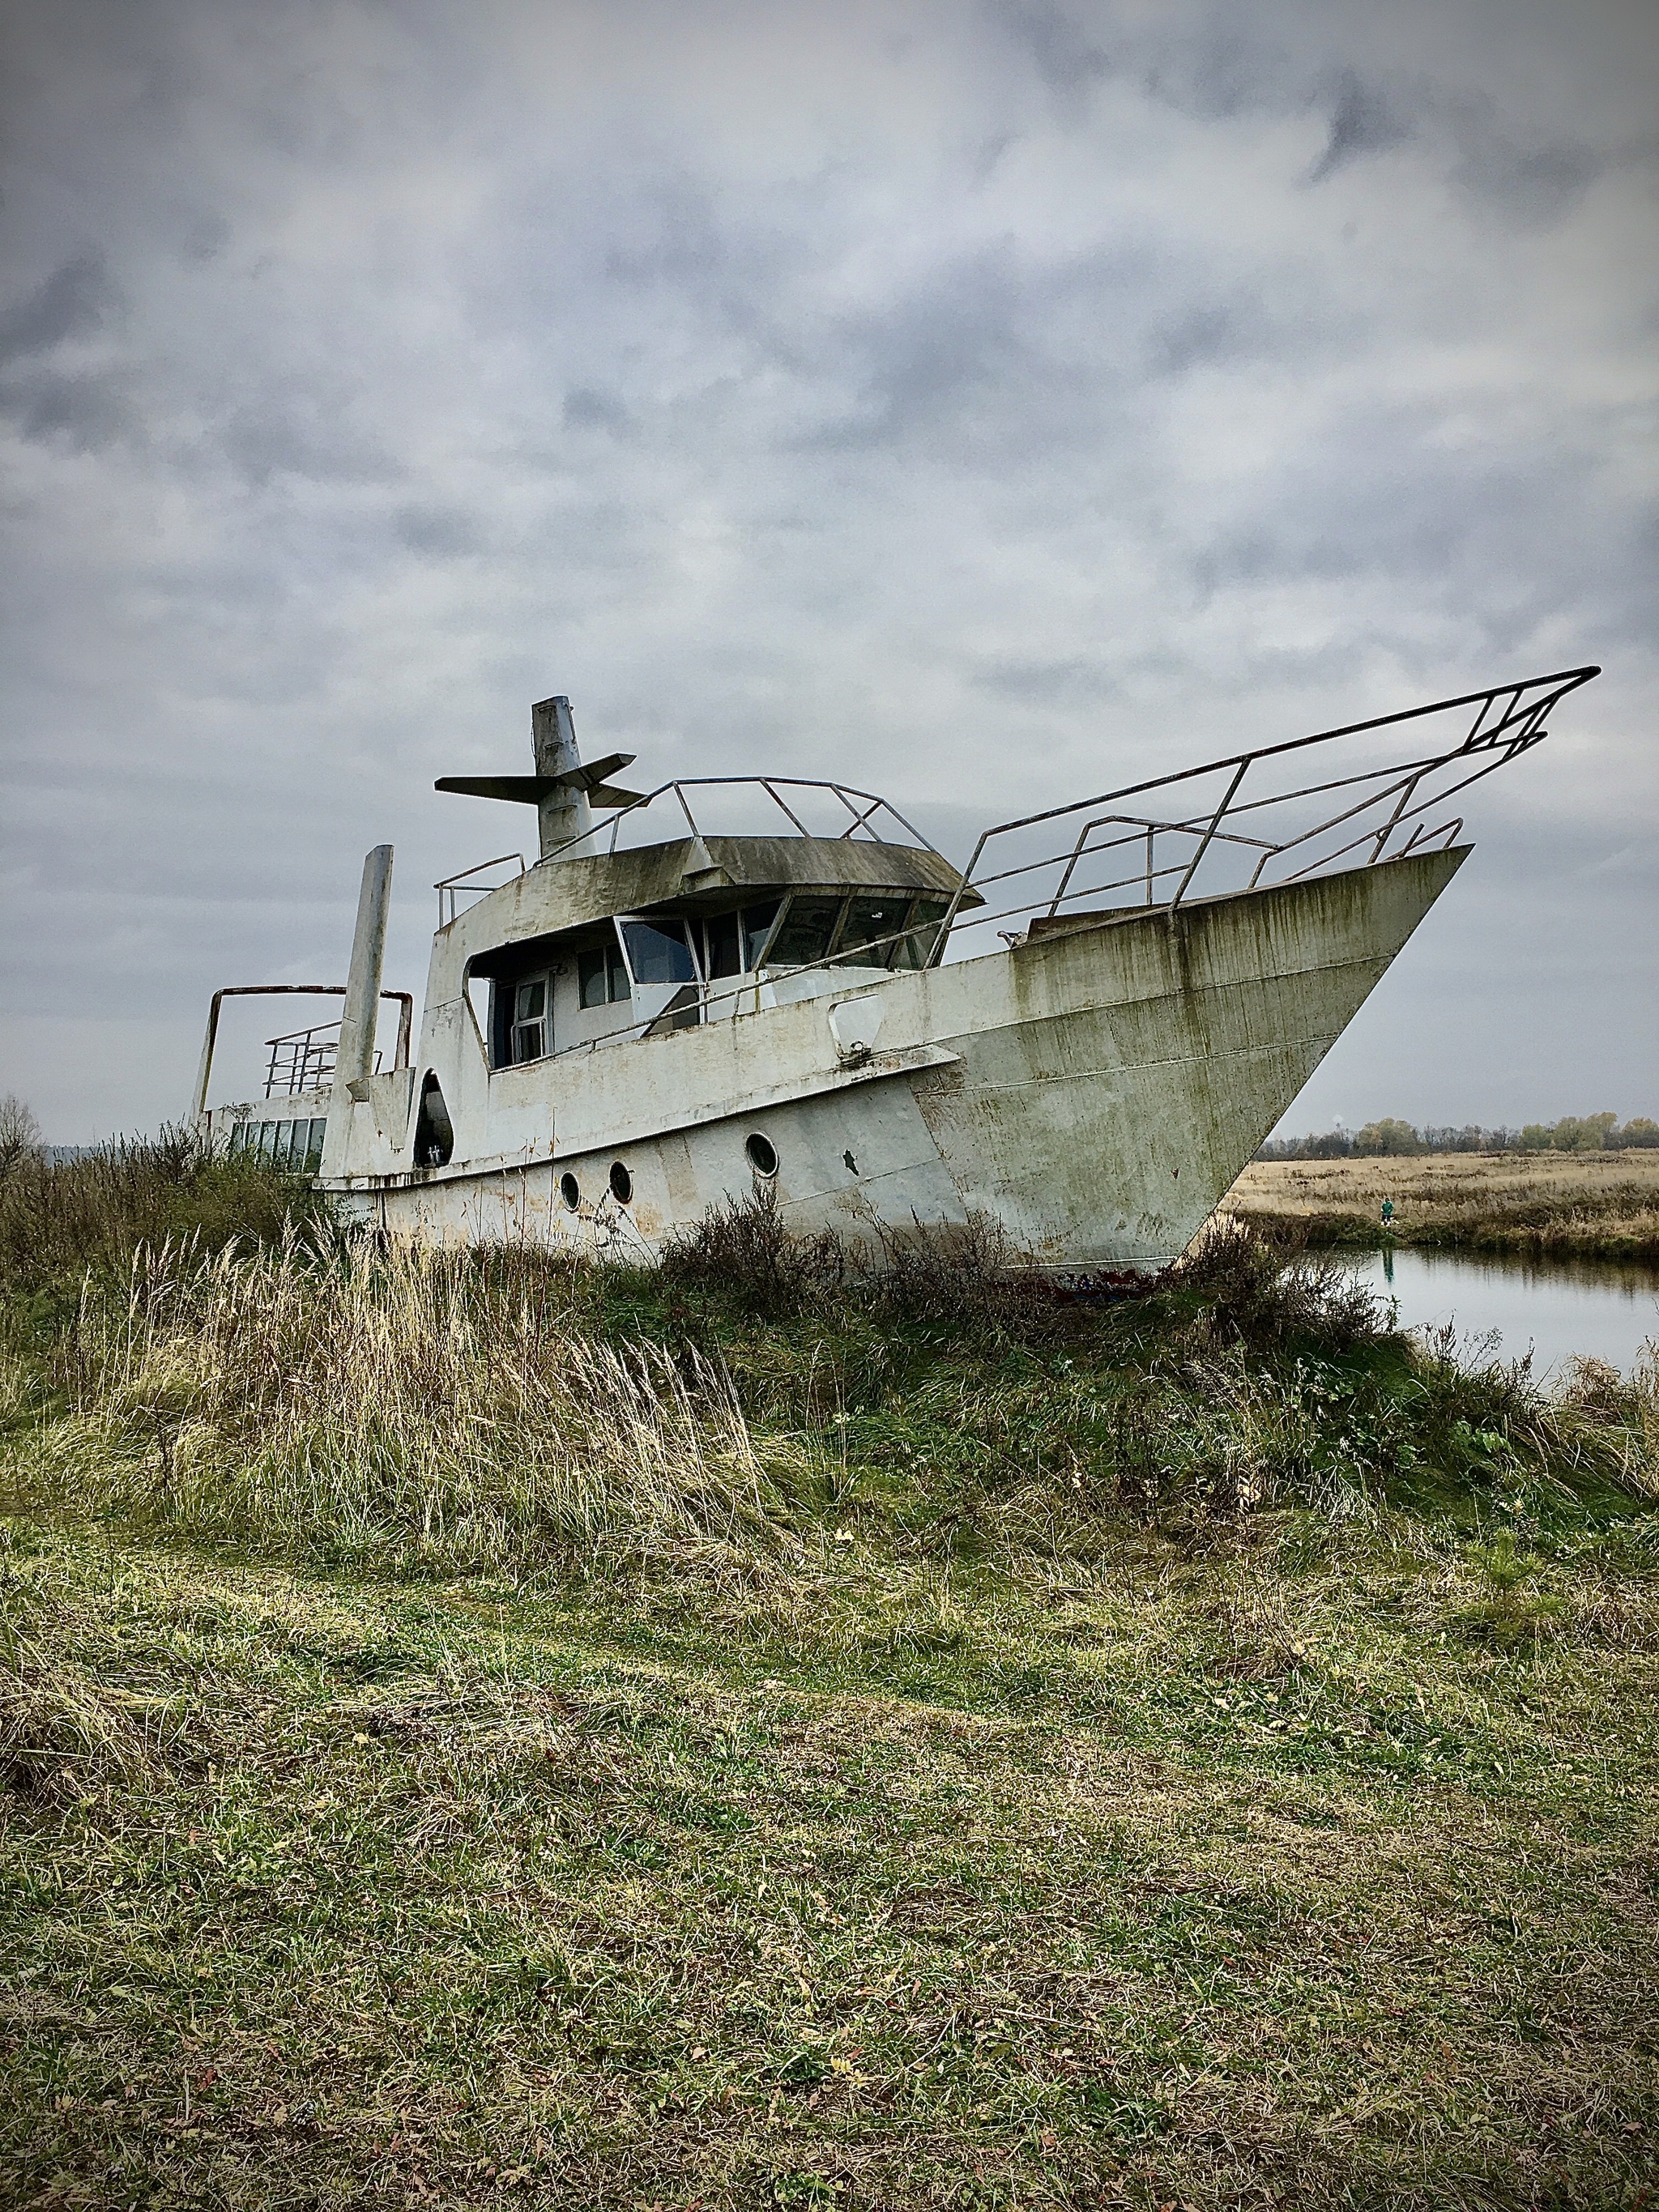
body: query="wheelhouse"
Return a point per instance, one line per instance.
(707, 957)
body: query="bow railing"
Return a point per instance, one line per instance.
(1258, 821)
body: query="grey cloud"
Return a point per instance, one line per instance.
(1077, 681)
(922, 360)
(1066, 58)
(1526, 183)
(300, 434)
(88, 412)
(1362, 122)
(445, 532)
(586, 408)
(73, 302)
(206, 235)
(676, 237)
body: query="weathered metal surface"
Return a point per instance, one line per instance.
(576, 894)
(1095, 1092)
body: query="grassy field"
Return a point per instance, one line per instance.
(480, 1730)
(1561, 1205)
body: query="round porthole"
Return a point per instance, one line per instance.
(621, 1183)
(762, 1155)
(570, 1190)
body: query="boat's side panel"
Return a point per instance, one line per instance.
(852, 1157)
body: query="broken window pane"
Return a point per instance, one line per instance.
(917, 948)
(756, 924)
(871, 921)
(722, 943)
(806, 932)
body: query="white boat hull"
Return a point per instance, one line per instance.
(1095, 1091)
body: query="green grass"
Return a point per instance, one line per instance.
(1197, 1752)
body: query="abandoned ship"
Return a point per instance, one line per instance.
(734, 984)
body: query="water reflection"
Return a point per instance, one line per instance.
(1605, 1309)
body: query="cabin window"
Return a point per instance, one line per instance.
(805, 934)
(723, 946)
(602, 975)
(659, 952)
(528, 1036)
(916, 950)
(874, 921)
(293, 1144)
(758, 922)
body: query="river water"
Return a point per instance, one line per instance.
(1556, 1309)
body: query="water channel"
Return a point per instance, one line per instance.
(1604, 1308)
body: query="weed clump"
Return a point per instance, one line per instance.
(1258, 1293)
(744, 1253)
(64, 1733)
(59, 1218)
(402, 1404)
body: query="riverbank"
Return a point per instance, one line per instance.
(1534, 1205)
(477, 1729)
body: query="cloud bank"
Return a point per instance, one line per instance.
(985, 403)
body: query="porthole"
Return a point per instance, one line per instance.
(763, 1155)
(570, 1190)
(621, 1183)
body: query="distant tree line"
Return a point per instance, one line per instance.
(1573, 1132)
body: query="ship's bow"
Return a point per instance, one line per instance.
(1126, 1070)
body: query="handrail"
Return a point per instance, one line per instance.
(459, 886)
(1381, 804)
(204, 1074)
(771, 785)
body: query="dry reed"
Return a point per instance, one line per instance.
(396, 1402)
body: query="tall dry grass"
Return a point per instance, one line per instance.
(60, 1217)
(397, 1403)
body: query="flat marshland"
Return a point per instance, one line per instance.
(1545, 1204)
(477, 1729)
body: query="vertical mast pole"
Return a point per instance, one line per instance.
(355, 1058)
(564, 813)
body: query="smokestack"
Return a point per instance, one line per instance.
(563, 814)
(355, 1057)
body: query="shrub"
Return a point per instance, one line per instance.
(1258, 1294)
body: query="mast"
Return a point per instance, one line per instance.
(563, 813)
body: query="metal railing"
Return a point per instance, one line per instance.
(1257, 825)
(1280, 831)
(865, 810)
(404, 1001)
(456, 888)
(303, 1060)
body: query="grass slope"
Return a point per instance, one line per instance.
(949, 1750)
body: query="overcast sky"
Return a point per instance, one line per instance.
(982, 402)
